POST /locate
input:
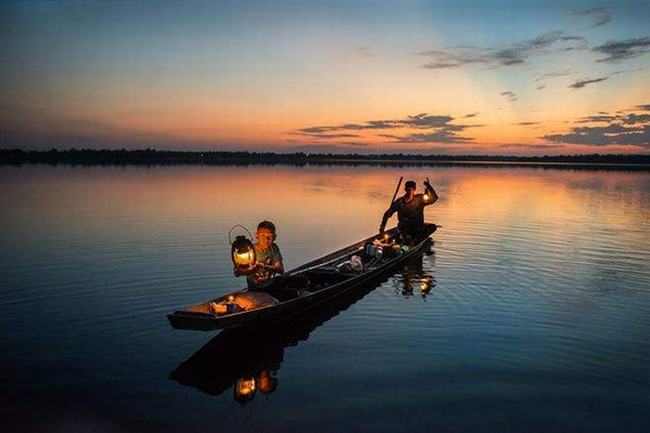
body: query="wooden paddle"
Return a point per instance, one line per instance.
(396, 190)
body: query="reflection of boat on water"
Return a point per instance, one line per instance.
(324, 278)
(248, 358)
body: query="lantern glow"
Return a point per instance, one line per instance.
(426, 285)
(246, 386)
(244, 258)
(243, 254)
(244, 389)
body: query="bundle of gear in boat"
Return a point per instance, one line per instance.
(285, 287)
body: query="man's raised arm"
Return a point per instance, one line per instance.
(431, 197)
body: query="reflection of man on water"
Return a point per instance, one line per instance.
(410, 210)
(414, 277)
(269, 259)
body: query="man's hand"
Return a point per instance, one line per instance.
(427, 184)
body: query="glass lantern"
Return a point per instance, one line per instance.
(243, 254)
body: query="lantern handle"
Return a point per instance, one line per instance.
(234, 227)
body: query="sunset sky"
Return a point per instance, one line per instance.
(506, 77)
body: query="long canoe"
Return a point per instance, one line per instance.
(247, 351)
(325, 281)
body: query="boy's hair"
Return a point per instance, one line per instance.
(266, 225)
(410, 184)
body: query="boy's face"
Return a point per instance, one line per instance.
(264, 237)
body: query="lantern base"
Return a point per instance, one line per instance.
(243, 270)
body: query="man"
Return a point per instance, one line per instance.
(269, 259)
(410, 210)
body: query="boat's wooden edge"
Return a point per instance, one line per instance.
(179, 316)
(338, 252)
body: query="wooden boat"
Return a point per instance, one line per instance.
(324, 280)
(239, 353)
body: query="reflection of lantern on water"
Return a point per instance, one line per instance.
(245, 389)
(425, 285)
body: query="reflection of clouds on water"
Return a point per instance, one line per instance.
(555, 257)
(376, 195)
(376, 184)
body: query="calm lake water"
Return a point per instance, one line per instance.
(531, 313)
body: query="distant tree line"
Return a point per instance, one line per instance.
(168, 157)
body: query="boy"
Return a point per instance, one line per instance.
(269, 259)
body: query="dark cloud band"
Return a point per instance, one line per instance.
(514, 54)
(582, 83)
(629, 129)
(616, 51)
(439, 129)
(601, 16)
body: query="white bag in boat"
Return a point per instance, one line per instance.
(356, 263)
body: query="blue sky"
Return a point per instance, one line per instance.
(255, 75)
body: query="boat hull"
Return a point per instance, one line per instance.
(204, 321)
